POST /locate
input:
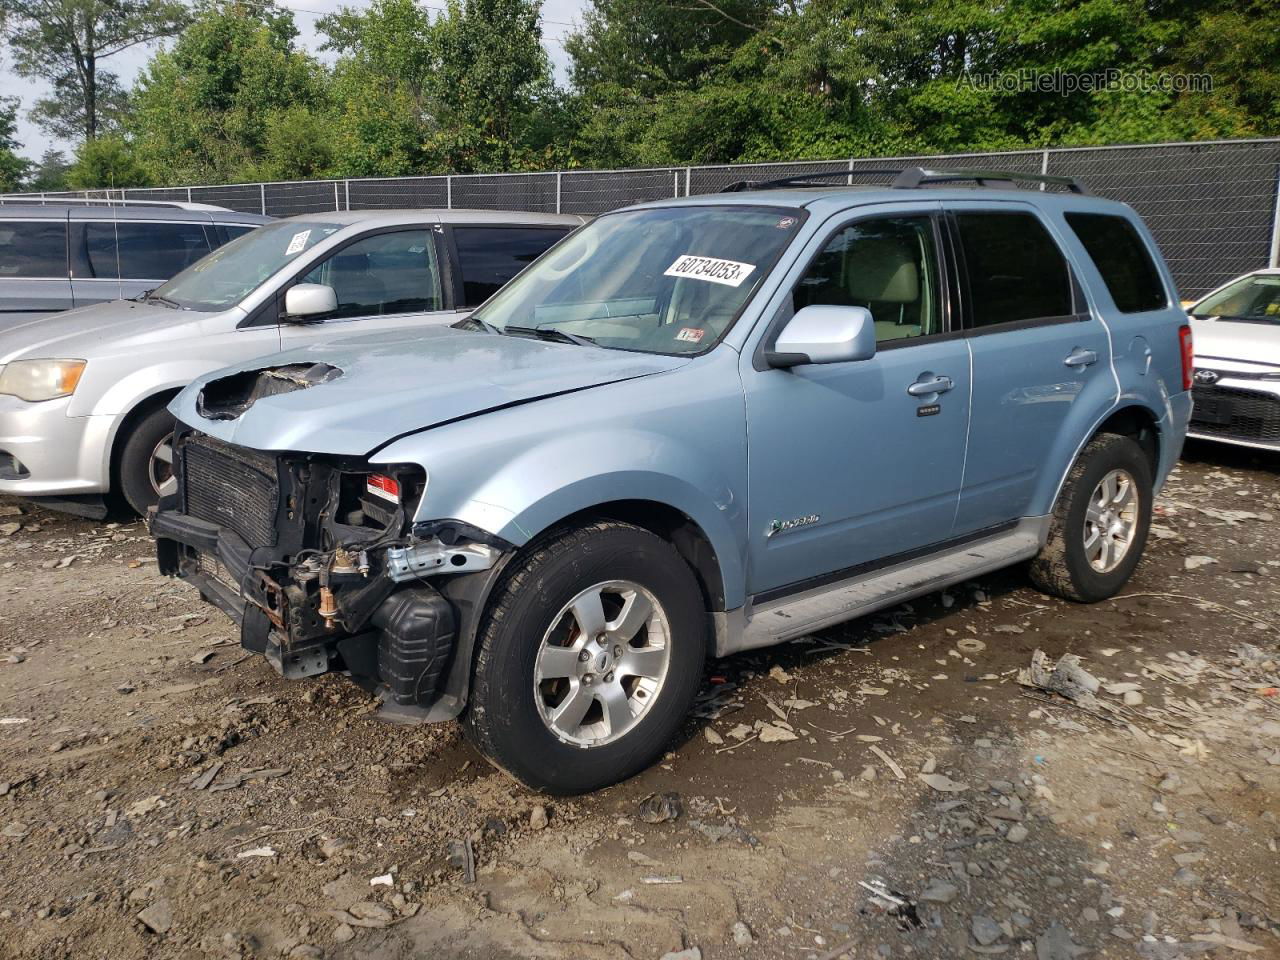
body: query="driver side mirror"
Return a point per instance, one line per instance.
(821, 333)
(309, 301)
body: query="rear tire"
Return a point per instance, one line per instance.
(143, 470)
(588, 660)
(1100, 522)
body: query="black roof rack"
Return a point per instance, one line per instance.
(911, 178)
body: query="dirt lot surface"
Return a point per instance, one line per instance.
(886, 789)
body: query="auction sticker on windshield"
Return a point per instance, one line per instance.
(729, 272)
(297, 243)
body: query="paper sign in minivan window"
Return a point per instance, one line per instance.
(729, 272)
(297, 243)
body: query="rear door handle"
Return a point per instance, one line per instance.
(1081, 358)
(923, 388)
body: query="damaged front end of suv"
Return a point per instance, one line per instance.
(318, 557)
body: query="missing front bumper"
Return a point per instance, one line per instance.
(404, 651)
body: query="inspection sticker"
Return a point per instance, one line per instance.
(297, 243)
(690, 334)
(729, 272)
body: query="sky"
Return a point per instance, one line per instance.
(558, 19)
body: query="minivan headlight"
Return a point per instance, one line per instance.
(35, 380)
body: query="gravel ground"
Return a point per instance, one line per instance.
(884, 789)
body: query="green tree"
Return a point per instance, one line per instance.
(468, 90)
(106, 162)
(492, 87)
(12, 167)
(49, 172)
(383, 83)
(65, 41)
(229, 100)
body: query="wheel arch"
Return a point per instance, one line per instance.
(673, 525)
(1134, 420)
(472, 594)
(141, 409)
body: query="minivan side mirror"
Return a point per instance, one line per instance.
(309, 301)
(822, 333)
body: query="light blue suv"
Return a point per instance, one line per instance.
(691, 428)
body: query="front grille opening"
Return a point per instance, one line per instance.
(231, 487)
(1234, 414)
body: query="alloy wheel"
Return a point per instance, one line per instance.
(1111, 521)
(602, 662)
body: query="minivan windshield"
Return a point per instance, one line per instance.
(662, 280)
(233, 271)
(1253, 299)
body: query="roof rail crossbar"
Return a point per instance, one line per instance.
(914, 177)
(803, 179)
(911, 178)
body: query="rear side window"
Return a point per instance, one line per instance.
(146, 251)
(1016, 272)
(1122, 258)
(490, 256)
(33, 248)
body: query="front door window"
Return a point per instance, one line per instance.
(388, 273)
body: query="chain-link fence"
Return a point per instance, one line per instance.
(1213, 207)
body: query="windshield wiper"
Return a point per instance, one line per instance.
(550, 333)
(150, 297)
(484, 325)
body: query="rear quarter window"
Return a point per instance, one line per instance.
(1123, 260)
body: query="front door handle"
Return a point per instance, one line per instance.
(924, 388)
(1081, 358)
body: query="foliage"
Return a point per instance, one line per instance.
(64, 43)
(231, 100)
(467, 85)
(468, 90)
(12, 167)
(49, 172)
(106, 162)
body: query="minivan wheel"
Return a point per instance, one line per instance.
(589, 657)
(1100, 523)
(146, 461)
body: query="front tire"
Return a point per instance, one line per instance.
(1100, 522)
(146, 461)
(589, 658)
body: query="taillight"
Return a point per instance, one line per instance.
(380, 485)
(1188, 356)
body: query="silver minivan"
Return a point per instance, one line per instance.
(83, 393)
(56, 256)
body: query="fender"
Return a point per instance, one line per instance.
(1169, 448)
(515, 473)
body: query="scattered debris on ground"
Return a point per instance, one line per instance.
(985, 771)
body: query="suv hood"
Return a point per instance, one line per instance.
(95, 330)
(350, 396)
(1244, 341)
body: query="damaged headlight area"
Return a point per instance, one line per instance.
(319, 560)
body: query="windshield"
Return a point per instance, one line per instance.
(667, 280)
(235, 270)
(1253, 299)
